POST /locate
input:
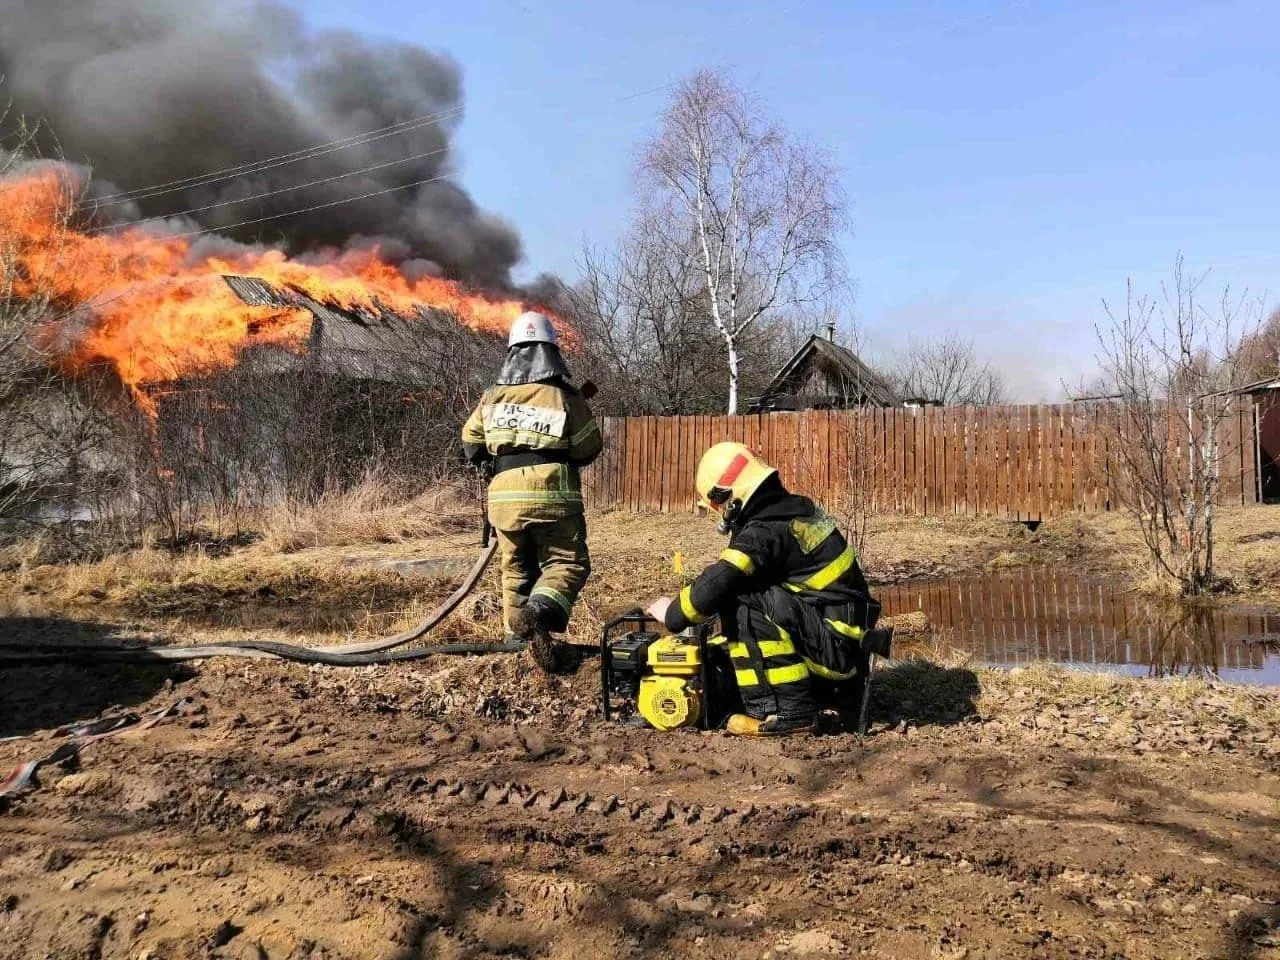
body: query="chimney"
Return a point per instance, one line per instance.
(831, 330)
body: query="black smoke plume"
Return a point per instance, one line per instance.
(153, 91)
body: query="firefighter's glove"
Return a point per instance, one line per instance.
(658, 609)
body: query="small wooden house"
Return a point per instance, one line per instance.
(822, 375)
(366, 386)
(1265, 395)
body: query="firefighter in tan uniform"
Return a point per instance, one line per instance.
(535, 430)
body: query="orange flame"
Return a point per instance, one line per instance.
(160, 311)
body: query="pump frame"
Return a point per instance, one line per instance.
(640, 618)
(877, 641)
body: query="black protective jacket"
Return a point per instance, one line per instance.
(790, 565)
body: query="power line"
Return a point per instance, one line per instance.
(318, 206)
(229, 173)
(308, 153)
(269, 193)
(315, 150)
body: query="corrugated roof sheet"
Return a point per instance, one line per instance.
(255, 292)
(379, 344)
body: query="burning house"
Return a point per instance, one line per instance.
(351, 337)
(363, 343)
(252, 377)
(360, 388)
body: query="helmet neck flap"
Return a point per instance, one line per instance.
(532, 363)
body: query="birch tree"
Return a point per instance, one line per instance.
(764, 210)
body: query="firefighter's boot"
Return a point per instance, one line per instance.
(741, 725)
(531, 622)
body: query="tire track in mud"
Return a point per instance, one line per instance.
(363, 803)
(832, 857)
(568, 855)
(798, 835)
(798, 831)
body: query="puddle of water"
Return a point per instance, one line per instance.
(1039, 614)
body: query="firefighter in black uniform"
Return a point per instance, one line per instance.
(791, 598)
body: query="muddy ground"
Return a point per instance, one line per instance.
(473, 808)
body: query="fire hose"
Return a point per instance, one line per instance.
(67, 753)
(383, 650)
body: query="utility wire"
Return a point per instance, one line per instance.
(308, 153)
(245, 169)
(318, 206)
(316, 150)
(269, 193)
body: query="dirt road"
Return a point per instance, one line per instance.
(474, 809)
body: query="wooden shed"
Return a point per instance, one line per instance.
(1266, 417)
(822, 375)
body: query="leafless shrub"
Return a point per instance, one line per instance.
(1170, 364)
(1260, 351)
(854, 468)
(283, 433)
(642, 314)
(862, 472)
(49, 426)
(648, 339)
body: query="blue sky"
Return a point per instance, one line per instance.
(1008, 165)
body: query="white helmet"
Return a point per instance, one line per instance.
(531, 327)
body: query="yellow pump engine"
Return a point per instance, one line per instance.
(672, 681)
(689, 680)
(669, 695)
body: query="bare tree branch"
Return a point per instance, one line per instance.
(947, 371)
(1169, 368)
(764, 211)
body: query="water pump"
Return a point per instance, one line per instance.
(670, 681)
(688, 681)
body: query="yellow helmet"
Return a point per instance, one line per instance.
(729, 471)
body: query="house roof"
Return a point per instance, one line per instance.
(364, 344)
(873, 386)
(1258, 386)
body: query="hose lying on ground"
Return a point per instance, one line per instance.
(341, 655)
(249, 649)
(67, 753)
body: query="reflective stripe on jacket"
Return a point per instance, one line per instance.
(517, 418)
(787, 559)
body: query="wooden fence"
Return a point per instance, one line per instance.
(1019, 462)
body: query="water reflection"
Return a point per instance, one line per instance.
(1038, 614)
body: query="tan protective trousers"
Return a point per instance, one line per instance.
(544, 558)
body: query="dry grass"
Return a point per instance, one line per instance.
(247, 589)
(23, 553)
(895, 539)
(368, 513)
(295, 579)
